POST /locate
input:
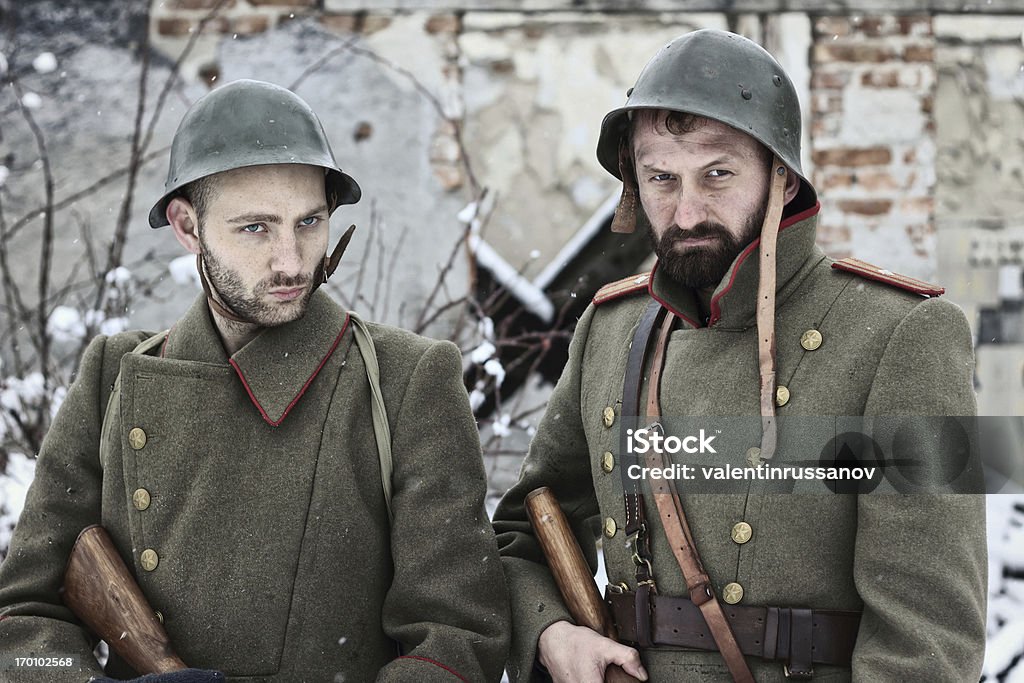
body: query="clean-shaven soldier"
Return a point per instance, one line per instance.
(752, 586)
(237, 466)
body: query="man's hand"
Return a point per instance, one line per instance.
(576, 654)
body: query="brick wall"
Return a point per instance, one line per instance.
(872, 93)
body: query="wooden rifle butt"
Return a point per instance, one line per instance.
(101, 592)
(571, 571)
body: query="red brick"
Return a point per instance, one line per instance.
(852, 156)
(442, 23)
(253, 23)
(919, 53)
(865, 207)
(826, 27)
(173, 26)
(829, 80)
(284, 3)
(875, 181)
(833, 181)
(853, 52)
(915, 25)
(877, 78)
(877, 27)
(923, 205)
(825, 103)
(375, 22)
(449, 175)
(341, 23)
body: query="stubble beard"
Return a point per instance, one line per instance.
(251, 304)
(699, 267)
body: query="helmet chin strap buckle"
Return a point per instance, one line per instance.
(625, 213)
(330, 262)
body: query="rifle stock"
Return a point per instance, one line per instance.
(101, 592)
(571, 572)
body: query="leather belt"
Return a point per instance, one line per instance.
(798, 637)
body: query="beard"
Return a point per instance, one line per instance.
(251, 304)
(702, 266)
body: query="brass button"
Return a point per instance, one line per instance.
(141, 499)
(149, 559)
(810, 340)
(608, 416)
(754, 456)
(781, 395)
(137, 438)
(159, 616)
(741, 532)
(732, 593)
(610, 527)
(607, 461)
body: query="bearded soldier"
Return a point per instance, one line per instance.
(298, 493)
(744, 315)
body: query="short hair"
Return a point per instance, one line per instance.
(199, 193)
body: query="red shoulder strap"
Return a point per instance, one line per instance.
(873, 272)
(621, 288)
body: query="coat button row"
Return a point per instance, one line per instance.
(607, 462)
(610, 527)
(810, 340)
(781, 395)
(741, 532)
(608, 416)
(732, 593)
(149, 559)
(137, 438)
(141, 499)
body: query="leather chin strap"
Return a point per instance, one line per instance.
(766, 311)
(625, 212)
(323, 272)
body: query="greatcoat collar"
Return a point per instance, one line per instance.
(734, 301)
(275, 367)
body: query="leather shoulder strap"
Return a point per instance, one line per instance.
(378, 412)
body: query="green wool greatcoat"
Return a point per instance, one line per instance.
(915, 565)
(277, 561)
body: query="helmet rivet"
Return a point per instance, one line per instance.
(746, 94)
(629, 92)
(777, 80)
(780, 170)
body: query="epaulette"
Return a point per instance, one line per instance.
(621, 288)
(872, 272)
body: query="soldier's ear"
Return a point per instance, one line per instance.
(182, 217)
(792, 187)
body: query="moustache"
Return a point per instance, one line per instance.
(281, 280)
(701, 230)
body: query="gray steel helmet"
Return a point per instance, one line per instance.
(250, 123)
(721, 76)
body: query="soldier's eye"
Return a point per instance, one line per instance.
(662, 177)
(312, 220)
(719, 173)
(254, 228)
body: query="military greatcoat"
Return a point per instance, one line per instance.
(915, 565)
(245, 495)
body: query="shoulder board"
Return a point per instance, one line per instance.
(620, 288)
(873, 272)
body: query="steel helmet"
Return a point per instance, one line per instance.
(250, 123)
(721, 76)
